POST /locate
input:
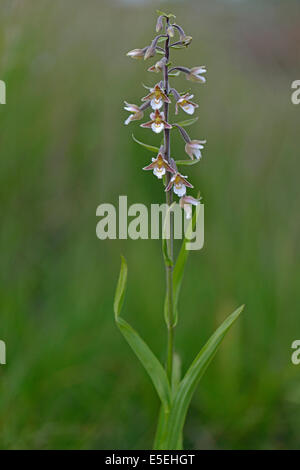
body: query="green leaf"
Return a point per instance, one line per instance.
(188, 122)
(176, 375)
(162, 428)
(178, 46)
(161, 40)
(190, 381)
(170, 15)
(187, 162)
(138, 345)
(148, 147)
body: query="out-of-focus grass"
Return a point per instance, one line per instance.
(70, 380)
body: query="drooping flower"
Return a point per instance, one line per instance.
(158, 66)
(195, 74)
(185, 104)
(186, 41)
(157, 97)
(137, 53)
(159, 166)
(137, 113)
(157, 122)
(151, 50)
(194, 147)
(159, 23)
(179, 184)
(170, 31)
(186, 203)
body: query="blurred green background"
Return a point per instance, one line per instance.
(71, 382)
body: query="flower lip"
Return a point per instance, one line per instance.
(185, 104)
(157, 97)
(179, 184)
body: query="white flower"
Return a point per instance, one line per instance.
(157, 122)
(195, 74)
(137, 113)
(159, 166)
(157, 97)
(185, 104)
(186, 203)
(194, 147)
(179, 184)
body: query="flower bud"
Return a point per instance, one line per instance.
(170, 31)
(186, 41)
(158, 67)
(159, 23)
(150, 52)
(136, 53)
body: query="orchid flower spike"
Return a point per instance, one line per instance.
(186, 203)
(179, 184)
(157, 122)
(137, 113)
(194, 147)
(195, 74)
(157, 97)
(159, 166)
(185, 104)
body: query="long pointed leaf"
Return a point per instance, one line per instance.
(162, 428)
(187, 162)
(146, 146)
(188, 122)
(138, 345)
(190, 381)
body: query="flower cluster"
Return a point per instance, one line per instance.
(159, 100)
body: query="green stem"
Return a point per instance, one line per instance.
(169, 198)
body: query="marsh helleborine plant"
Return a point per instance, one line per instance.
(175, 392)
